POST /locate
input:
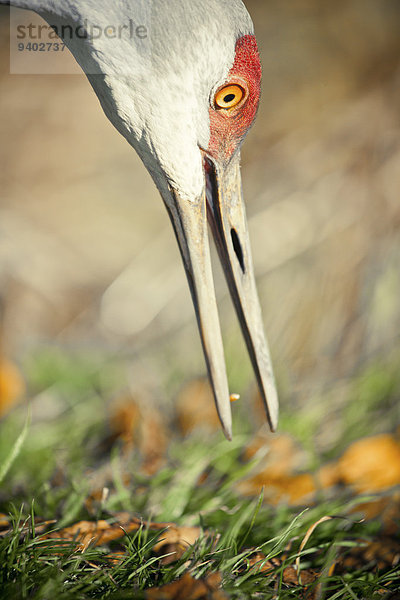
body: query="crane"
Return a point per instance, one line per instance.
(180, 80)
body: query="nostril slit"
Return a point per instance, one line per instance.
(237, 248)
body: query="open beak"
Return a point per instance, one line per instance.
(222, 203)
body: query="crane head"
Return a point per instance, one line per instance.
(185, 98)
(232, 103)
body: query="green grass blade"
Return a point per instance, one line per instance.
(15, 451)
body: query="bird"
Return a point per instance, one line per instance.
(180, 80)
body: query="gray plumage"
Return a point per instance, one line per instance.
(151, 87)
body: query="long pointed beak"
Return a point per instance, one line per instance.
(190, 224)
(223, 204)
(227, 218)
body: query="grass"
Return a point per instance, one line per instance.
(51, 460)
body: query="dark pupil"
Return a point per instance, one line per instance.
(228, 98)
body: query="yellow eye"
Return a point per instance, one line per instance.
(229, 96)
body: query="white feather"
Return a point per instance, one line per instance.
(156, 90)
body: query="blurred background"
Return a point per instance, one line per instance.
(88, 259)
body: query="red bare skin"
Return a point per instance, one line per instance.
(228, 127)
